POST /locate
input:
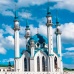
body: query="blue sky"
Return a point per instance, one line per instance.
(35, 10)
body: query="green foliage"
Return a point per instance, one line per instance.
(1, 65)
(67, 69)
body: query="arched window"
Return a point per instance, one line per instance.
(55, 62)
(29, 63)
(43, 63)
(38, 64)
(38, 44)
(43, 44)
(25, 64)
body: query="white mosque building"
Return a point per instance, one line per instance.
(39, 57)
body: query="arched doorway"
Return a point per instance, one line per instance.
(25, 64)
(55, 62)
(38, 64)
(29, 63)
(43, 63)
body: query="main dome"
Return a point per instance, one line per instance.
(39, 38)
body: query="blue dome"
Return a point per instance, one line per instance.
(39, 38)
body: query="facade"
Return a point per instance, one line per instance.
(39, 57)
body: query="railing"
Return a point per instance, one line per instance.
(29, 73)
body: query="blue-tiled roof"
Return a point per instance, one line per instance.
(41, 39)
(37, 38)
(41, 49)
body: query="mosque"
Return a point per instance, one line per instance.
(39, 57)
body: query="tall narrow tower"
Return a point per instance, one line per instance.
(16, 35)
(58, 45)
(49, 32)
(50, 41)
(27, 31)
(58, 37)
(16, 41)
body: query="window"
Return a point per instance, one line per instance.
(25, 64)
(43, 44)
(38, 64)
(50, 21)
(43, 63)
(3, 69)
(29, 63)
(55, 62)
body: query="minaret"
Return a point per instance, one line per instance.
(16, 35)
(50, 41)
(49, 32)
(32, 47)
(27, 31)
(58, 45)
(58, 37)
(16, 42)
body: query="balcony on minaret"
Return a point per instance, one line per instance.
(49, 18)
(16, 26)
(27, 29)
(57, 31)
(49, 21)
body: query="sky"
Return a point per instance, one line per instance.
(35, 11)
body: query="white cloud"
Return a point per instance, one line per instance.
(70, 49)
(10, 39)
(2, 50)
(70, 66)
(43, 30)
(65, 4)
(67, 33)
(8, 60)
(7, 6)
(7, 13)
(22, 3)
(30, 2)
(11, 59)
(8, 29)
(33, 30)
(5, 1)
(69, 54)
(25, 15)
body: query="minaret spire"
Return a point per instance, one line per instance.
(57, 19)
(48, 9)
(27, 24)
(16, 13)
